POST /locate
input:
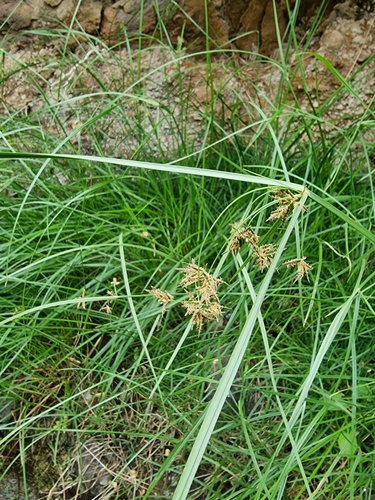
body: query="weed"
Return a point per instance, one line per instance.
(134, 166)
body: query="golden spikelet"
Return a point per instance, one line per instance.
(286, 202)
(163, 297)
(302, 267)
(203, 305)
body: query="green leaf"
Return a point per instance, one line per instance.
(347, 443)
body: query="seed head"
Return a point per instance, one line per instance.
(302, 267)
(201, 312)
(245, 233)
(264, 255)
(203, 305)
(162, 296)
(286, 201)
(207, 284)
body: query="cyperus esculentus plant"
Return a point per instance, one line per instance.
(264, 254)
(208, 284)
(203, 303)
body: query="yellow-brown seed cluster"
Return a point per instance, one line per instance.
(263, 254)
(204, 305)
(239, 234)
(163, 297)
(302, 267)
(286, 201)
(203, 302)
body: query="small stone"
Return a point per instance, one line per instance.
(103, 481)
(332, 40)
(364, 54)
(351, 28)
(359, 39)
(52, 3)
(345, 9)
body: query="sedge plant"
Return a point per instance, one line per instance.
(186, 286)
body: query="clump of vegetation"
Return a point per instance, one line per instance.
(110, 193)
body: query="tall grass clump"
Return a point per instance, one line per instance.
(186, 276)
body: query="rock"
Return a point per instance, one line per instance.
(364, 55)
(350, 28)
(52, 3)
(22, 17)
(359, 40)
(65, 11)
(126, 14)
(13, 489)
(249, 23)
(332, 40)
(90, 15)
(345, 9)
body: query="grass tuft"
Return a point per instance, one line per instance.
(145, 191)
